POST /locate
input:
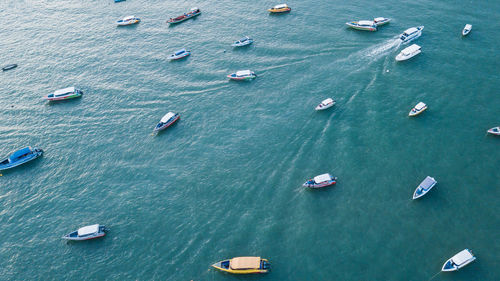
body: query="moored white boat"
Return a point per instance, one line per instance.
(427, 184)
(243, 42)
(166, 121)
(458, 261)
(86, 233)
(409, 52)
(242, 75)
(466, 29)
(64, 94)
(419, 108)
(411, 34)
(128, 21)
(494, 131)
(367, 25)
(329, 102)
(381, 21)
(320, 181)
(182, 53)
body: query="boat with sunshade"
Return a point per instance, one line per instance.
(242, 75)
(86, 233)
(20, 157)
(9, 67)
(458, 261)
(466, 29)
(329, 102)
(191, 14)
(182, 53)
(411, 34)
(281, 8)
(243, 265)
(367, 25)
(494, 131)
(321, 181)
(64, 94)
(128, 21)
(243, 42)
(166, 121)
(381, 21)
(409, 52)
(419, 108)
(425, 186)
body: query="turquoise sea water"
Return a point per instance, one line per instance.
(225, 181)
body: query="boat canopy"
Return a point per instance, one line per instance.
(64, 91)
(245, 263)
(327, 101)
(409, 50)
(366, 22)
(420, 106)
(86, 230)
(243, 73)
(427, 183)
(462, 257)
(167, 117)
(322, 178)
(280, 6)
(180, 52)
(19, 153)
(410, 30)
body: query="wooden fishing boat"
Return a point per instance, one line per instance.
(20, 157)
(282, 8)
(243, 265)
(193, 13)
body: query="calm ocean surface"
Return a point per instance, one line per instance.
(225, 181)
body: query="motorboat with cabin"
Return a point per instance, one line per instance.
(281, 8)
(411, 34)
(64, 94)
(367, 25)
(381, 21)
(20, 157)
(466, 29)
(329, 102)
(86, 233)
(409, 52)
(128, 21)
(425, 186)
(243, 265)
(458, 261)
(166, 121)
(494, 131)
(182, 53)
(191, 14)
(243, 42)
(419, 108)
(242, 75)
(321, 181)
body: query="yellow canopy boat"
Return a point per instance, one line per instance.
(243, 265)
(282, 8)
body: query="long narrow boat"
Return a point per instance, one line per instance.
(458, 261)
(9, 67)
(321, 181)
(242, 75)
(86, 233)
(166, 121)
(243, 265)
(425, 186)
(193, 13)
(20, 157)
(64, 94)
(366, 25)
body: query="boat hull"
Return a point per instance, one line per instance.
(411, 114)
(279, 11)
(71, 96)
(400, 57)
(179, 57)
(319, 107)
(9, 67)
(241, 78)
(35, 154)
(179, 19)
(219, 266)
(320, 185)
(166, 125)
(494, 131)
(125, 23)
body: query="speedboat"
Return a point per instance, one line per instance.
(282, 8)
(321, 181)
(419, 108)
(494, 131)
(427, 184)
(128, 21)
(381, 21)
(87, 233)
(329, 102)
(193, 13)
(9, 67)
(20, 157)
(242, 75)
(182, 53)
(243, 265)
(363, 25)
(166, 121)
(466, 30)
(409, 52)
(411, 34)
(64, 94)
(458, 261)
(243, 42)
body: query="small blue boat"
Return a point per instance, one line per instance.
(20, 157)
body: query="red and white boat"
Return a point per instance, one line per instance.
(494, 131)
(321, 181)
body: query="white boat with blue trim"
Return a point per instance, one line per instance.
(329, 102)
(458, 261)
(494, 131)
(411, 34)
(425, 186)
(419, 108)
(166, 121)
(245, 41)
(182, 53)
(366, 25)
(466, 29)
(128, 21)
(86, 233)
(321, 181)
(409, 52)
